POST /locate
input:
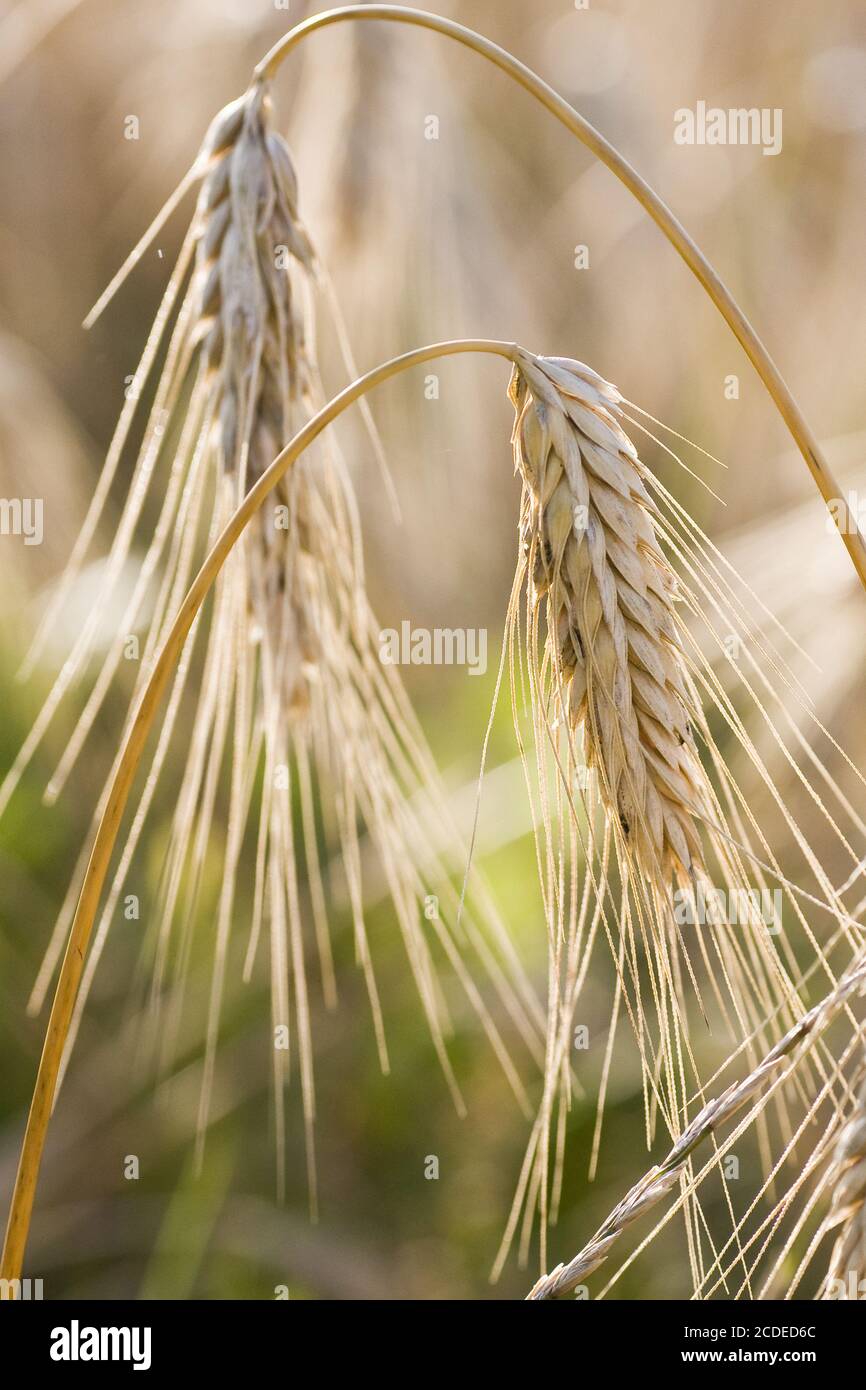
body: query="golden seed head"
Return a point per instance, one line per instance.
(617, 663)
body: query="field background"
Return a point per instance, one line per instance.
(473, 234)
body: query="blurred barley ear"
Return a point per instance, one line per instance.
(292, 683)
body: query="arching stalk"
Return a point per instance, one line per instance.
(166, 662)
(649, 201)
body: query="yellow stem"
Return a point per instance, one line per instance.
(658, 210)
(73, 961)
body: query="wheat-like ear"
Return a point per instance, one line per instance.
(248, 237)
(594, 558)
(290, 683)
(648, 840)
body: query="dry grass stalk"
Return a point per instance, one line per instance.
(649, 200)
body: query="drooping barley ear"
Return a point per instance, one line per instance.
(617, 663)
(616, 689)
(292, 682)
(326, 710)
(847, 1178)
(248, 234)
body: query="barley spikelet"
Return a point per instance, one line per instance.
(259, 372)
(588, 532)
(848, 1211)
(247, 226)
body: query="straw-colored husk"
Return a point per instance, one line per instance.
(617, 660)
(255, 354)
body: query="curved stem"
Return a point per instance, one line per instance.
(649, 200)
(73, 962)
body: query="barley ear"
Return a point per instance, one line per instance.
(847, 1216)
(595, 562)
